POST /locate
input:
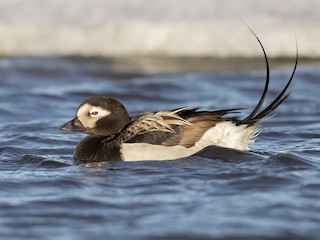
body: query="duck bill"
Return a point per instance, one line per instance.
(74, 125)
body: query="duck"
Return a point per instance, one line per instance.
(113, 135)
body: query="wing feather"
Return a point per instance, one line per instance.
(161, 121)
(180, 126)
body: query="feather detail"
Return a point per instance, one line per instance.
(162, 121)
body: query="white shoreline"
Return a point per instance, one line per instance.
(202, 28)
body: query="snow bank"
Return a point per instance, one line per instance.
(158, 27)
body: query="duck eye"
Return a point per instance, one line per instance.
(94, 113)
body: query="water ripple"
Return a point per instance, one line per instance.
(271, 192)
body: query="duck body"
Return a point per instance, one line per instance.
(164, 135)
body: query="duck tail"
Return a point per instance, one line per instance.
(256, 116)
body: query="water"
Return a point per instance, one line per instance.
(271, 192)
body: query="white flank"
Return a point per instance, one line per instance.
(225, 134)
(145, 151)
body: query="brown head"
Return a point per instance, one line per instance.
(99, 116)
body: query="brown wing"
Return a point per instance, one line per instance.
(200, 122)
(153, 127)
(176, 127)
(199, 125)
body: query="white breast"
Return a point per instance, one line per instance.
(225, 134)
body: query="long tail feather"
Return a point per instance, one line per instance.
(256, 116)
(265, 90)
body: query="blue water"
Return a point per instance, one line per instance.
(271, 192)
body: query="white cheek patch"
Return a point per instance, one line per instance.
(88, 115)
(100, 112)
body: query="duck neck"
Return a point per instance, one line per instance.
(97, 149)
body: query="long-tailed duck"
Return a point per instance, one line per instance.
(164, 135)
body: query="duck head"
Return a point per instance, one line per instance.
(98, 116)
